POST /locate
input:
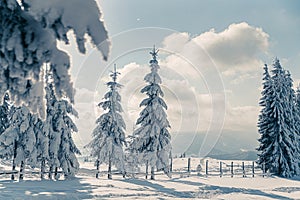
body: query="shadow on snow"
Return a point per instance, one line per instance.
(46, 189)
(160, 189)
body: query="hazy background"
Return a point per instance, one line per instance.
(211, 57)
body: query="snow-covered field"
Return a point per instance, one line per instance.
(180, 186)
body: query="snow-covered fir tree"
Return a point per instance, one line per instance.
(278, 150)
(29, 32)
(5, 113)
(53, 136)
(131, 158)
(265, 119)
(297, 105)
(109, 134)
(152, 139)
(298, 97)
(59, 128)
(41, 153)
(18, 140)
(64, 126)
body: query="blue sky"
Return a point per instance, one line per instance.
(236, 38)
(279, 18)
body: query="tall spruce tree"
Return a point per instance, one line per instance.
(64, 126)
(59, 128)
(54, 138)
(277, 124)
(41, 154)
(297, 104)
(298, 98)
(5, 113)
(18, 140)
(265, 119)
(109, 134)
(152, 139)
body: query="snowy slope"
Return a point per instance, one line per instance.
(180, 186)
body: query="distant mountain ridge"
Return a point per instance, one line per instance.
(230, 145)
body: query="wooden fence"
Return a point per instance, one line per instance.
(229, 168)
(219, 168)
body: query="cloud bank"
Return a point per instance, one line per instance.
(198, 72)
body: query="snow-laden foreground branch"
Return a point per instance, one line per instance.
(28, 39)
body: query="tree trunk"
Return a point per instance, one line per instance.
(109, 169)
(43, 169)
(152, 173)
(97, 165)
(146, 170)
(14, 161)
(13, 169)
(22, 168)
(55, 173)
(50, 172)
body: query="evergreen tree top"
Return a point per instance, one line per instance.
(278, 70)
(266, 73)
(114, 75)
(154, 53)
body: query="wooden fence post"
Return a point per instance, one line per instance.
(206, 168)
(221, 170)
(253, 169)
(231, 169)
(171, 165)
(243, 167)
(189, 165)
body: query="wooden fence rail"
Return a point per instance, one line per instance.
(221, 168)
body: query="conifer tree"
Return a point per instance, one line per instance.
(53, 137)
(5, 114)
(298, 97)
(59, 128)
(152, 139)
(42, 145)
(18, 140)
(64, 125)
(277, 124)
(297, 105)
(109, 134)
(265, 118)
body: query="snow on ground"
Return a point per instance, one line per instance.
(180, 186)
